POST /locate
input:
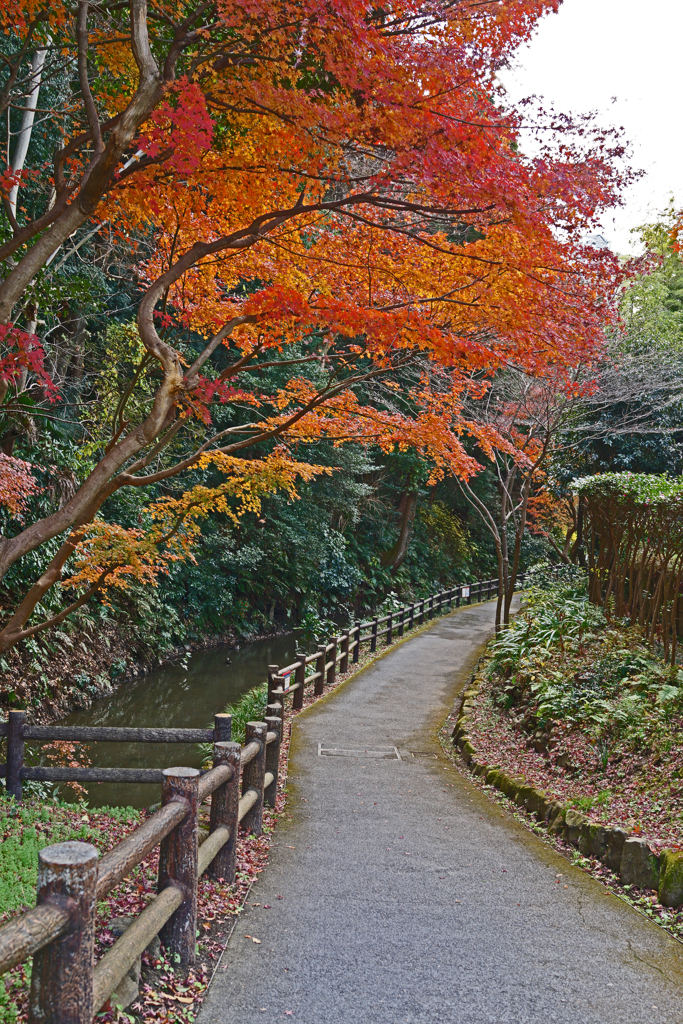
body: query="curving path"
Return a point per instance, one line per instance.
(399, 894)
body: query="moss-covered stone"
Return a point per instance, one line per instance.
(615, 848)
(537, 802)
(468, 751)
(639, 866)
(523, 795)
(556, 818)
(573, 820)
(671, 878)
(599, 837)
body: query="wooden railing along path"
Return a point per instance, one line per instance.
(60, 931)
(67, 987)
(339, 649)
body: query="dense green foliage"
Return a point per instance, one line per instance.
(563, 663)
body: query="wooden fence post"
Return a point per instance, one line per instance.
(356, 650)
(422, 612)
(390, 621)
(300, 678)
(253, 775)
(222, 728)
(224, 809)
(332, 670)
(15, 752)
(344, 662)
(430, 613)
(62, 975)
(320, 670)
(401, 617)
(373, 637)
(273, 759)
(178, 864)
(273, 670)
(411, 618)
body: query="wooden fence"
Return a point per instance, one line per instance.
(60, 931)
(339, 649)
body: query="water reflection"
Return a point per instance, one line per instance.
(174, 696)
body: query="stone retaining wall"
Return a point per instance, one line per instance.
(628, 856)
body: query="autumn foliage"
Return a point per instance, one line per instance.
(337, 188)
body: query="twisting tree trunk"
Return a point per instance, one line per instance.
(395, 556)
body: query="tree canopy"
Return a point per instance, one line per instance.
(337, 192)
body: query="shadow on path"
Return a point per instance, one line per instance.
(399, 894)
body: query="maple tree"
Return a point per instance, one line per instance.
(338, 190)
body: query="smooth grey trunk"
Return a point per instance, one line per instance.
(24, 137)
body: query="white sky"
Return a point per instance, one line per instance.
(593, 50)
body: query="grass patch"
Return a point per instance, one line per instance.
(28, 828)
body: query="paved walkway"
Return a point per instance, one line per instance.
(397, 893)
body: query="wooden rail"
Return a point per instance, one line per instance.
(340, 649)
(66, 986)
(18, 731)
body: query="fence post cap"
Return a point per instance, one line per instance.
(257, 726)
(180, 773)
(71, 854)
(227, 746)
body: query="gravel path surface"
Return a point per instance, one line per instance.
(397, 893)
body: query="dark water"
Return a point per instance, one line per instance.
(173, 696)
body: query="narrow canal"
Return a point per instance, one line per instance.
(173, 695)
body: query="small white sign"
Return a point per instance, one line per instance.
(286, 681)
(465, 592)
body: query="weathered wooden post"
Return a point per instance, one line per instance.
(222, 728)
(430, 613)
(356, 649)
(390, 622)
(275, 710)
(178, 863)
(320, 670)
(300, 678)
(274, 724)
(373, 637)
(224, 809)
(253, 776)
(422, 612)
(344, 662)
(16, 721)
(411, 617)
(332, 670)
(273, 671)
(401, 617)
(439, 602)
(458, 594)
(62, 975)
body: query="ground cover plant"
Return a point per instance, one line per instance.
(585, 709)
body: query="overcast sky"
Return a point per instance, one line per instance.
(594, 50)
